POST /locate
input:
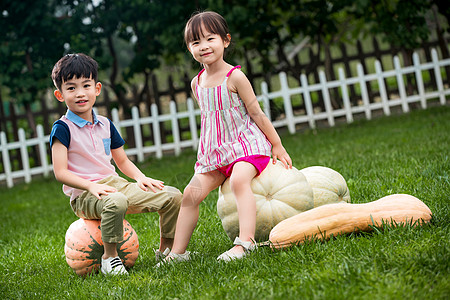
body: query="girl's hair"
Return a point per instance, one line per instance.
(212, 22)
(74, 65)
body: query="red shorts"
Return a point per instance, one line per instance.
(260, 162)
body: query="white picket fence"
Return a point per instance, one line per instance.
(310, 117)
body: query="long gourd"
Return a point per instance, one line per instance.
(333, 219)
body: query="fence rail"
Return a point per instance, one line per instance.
(310, 115)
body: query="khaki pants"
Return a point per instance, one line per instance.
(129, 199)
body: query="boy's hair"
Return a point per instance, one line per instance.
(212, 21)
(77, 65)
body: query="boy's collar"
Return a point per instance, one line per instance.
(79, 121)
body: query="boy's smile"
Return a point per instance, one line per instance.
(79, 94)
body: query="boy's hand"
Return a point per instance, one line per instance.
(146, 182)
(278, 152)
(100, 189)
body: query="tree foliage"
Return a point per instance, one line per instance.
(31, 39)
(402, 23)
(132, 39)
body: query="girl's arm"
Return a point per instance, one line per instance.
(129, 169)
(63, 175)
(239, 83)
(193, 85)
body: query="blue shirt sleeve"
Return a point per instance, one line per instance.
(61, 132)
(116, 140)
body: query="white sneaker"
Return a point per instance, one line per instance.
(113, 266)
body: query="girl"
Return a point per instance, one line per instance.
(236, 137)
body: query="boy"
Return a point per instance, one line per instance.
(83, 144)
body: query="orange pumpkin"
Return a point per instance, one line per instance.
(84, 246)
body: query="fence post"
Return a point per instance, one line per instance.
(308, 102)
(6, 160)
(345, 97)
(156, 131)
(437, 73)
(175, 129)
(382, 88)
(24, 155)
(265, 100)
(137, 133)
(42, 149)
(419, 80)
(116, 119)
(364, 92)
(326, 98)
(192, 123)
(287, 103)
(401, 84)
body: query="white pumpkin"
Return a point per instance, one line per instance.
(280, 193)
(327, 184)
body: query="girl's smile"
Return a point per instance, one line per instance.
(208, 48)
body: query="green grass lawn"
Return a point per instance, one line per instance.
(398, 154)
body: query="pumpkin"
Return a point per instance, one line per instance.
(279, 193)
(84, 246)
(339, 218)
(327, 184)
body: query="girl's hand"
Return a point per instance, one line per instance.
(100, 189)
(146, 182)
(278, 152)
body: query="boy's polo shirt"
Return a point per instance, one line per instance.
(88, 147)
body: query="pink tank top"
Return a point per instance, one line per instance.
(227, 131)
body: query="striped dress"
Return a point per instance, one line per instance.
(227, 131)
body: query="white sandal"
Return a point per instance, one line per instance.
(159, 256)
(174, 257)
(230, 255)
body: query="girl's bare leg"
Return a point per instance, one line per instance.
(196, 191)
(240, 182)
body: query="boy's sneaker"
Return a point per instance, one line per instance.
(113, 266)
